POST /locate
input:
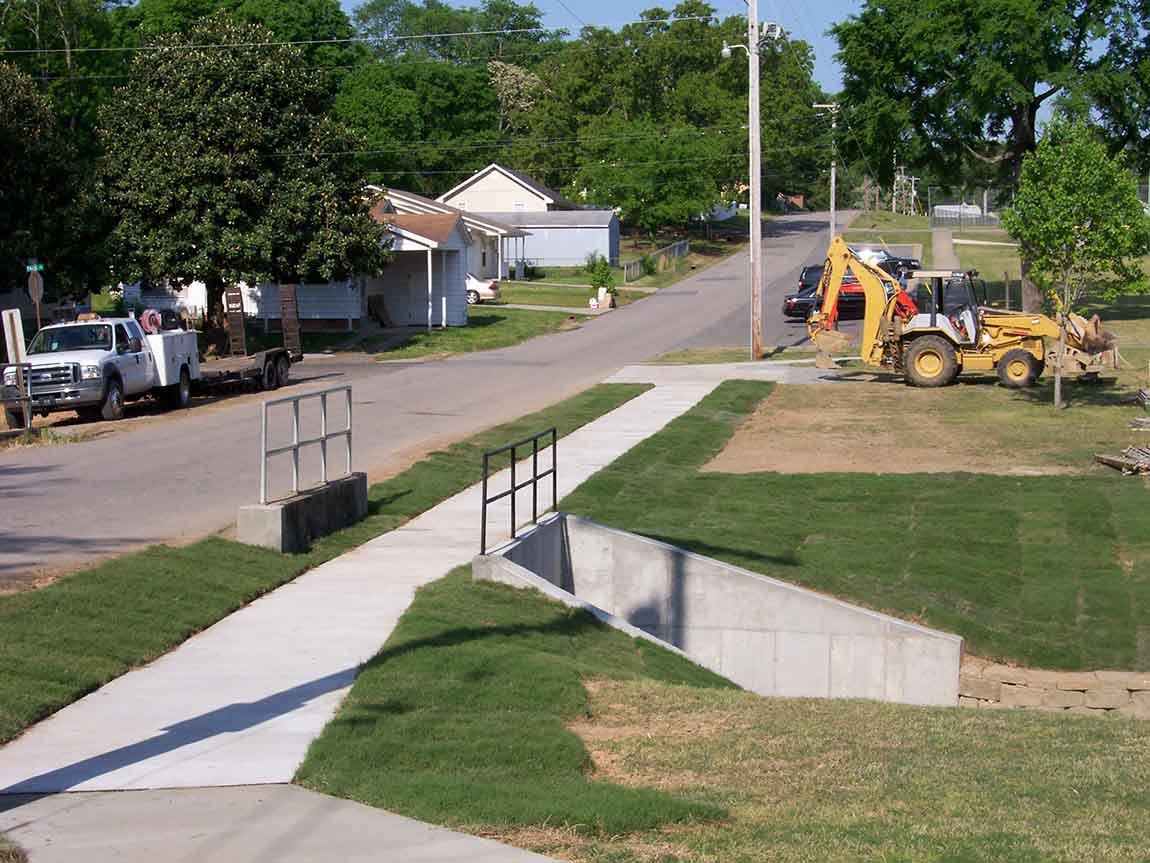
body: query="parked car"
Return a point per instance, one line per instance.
(800, 304)
(481, 290)
(896, 265)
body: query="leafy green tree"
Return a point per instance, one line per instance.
(941, 80)
(436, 121)
(38, 185)
(1077, 217)
(221, 165)
(656, 176)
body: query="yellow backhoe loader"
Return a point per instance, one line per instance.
(948, 329)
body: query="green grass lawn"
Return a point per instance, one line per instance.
(814, 781)
(67, 639)
(460, 719)
(486, 330)
(1048, 571)
(882, 220)
(545, 295)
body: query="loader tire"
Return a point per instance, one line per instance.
(930, 362)
(1018, 369)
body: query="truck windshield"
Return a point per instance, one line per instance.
(83, 338)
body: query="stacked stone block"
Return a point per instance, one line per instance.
(988, 685)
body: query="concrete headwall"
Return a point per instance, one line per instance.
(766, 635)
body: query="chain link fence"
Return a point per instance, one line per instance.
(960, 209)
(657, 261)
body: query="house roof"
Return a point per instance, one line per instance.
(436, 228)
(549, 196)
(409, 202)
(556, 218)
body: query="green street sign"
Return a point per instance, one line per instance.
(34, 266)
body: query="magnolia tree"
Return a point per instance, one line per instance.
(1077, 217)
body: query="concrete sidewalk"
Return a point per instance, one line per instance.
(239, 703)
(268, 823)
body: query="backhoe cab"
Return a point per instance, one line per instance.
(948, 328)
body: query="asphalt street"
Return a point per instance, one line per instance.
(71, 505)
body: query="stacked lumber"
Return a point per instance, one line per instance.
(1134, 460)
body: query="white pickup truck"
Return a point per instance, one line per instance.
(94, 366)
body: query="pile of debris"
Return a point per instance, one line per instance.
(1134, 460)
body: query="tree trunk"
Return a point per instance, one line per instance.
(1031, 295)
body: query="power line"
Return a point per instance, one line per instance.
(350, 40)
(571, 12)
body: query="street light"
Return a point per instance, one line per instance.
(755, 37)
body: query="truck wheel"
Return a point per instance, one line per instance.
(270, 379)
(283, 371)
(112, 408)
(1018, 369)
(177, 396)
(930, 362)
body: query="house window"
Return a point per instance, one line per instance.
(519, 205)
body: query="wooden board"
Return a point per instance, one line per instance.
(289, 321)
(237, 325)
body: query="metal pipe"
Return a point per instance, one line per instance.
(264, 454)
(295, 449)
(756, 180)
(323, 438)
(483, 523)
(513, 493)
(535, 479)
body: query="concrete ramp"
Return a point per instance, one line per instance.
(768, 636)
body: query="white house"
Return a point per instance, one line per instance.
(560, 232)
(494, 243)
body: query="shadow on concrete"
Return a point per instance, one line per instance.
(225, 720)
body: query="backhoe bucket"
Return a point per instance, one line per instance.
(830, 342)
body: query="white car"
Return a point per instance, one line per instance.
(481, 290)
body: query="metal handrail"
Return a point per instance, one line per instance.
(515, 487)
(297, 442)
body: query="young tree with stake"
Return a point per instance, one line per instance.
(1078, 218)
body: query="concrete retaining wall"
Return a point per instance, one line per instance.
(766, 635)
(290, 525)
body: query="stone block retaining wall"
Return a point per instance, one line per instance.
(985, 684)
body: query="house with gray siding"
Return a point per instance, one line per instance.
(559, 232)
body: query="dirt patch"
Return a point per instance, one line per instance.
(876, 427)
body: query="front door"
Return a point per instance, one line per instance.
(134, 371)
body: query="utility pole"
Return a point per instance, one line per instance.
(833, 107)
(756, 180)
(769, 31)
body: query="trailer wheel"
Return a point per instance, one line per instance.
(930, 362)
(178, 396)
(112, 408)
(270, 379)
(1018, 369)
(283, 371)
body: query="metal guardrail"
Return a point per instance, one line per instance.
(633, 270)
(515, 487)
(24, 382)
(297, 443)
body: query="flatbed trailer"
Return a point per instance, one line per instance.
(269, 369)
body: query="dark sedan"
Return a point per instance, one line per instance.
(804, 301)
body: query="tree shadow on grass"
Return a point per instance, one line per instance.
(1104, 393)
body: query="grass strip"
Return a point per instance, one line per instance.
(1048, 571)
(65, 640)
(485, 331)
(461, 718)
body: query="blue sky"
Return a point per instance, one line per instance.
(806, 19)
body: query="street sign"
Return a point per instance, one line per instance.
(14, 336)
(35, 286)
(34, 266)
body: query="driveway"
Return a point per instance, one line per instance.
(71, 505)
